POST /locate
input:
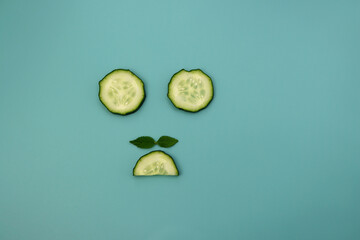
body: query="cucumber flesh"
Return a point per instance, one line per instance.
(190, 90)
(155, 163)
(122, 92)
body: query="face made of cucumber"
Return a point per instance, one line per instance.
(123, 93)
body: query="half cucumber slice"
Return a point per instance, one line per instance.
(155, 163)
(122, 92)
(190, 90)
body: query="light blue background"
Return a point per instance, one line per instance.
(276, 155)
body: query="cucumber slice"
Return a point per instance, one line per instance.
(155, 163)
(121, 91)
(190, 90)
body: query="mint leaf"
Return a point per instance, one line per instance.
(166, 141)
(144, 142)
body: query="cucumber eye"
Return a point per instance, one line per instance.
(191, 91)
(121, 92)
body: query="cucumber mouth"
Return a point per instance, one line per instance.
(155, 163)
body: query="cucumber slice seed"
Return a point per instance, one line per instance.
(191, 91)
(121, 91)
(155, 163)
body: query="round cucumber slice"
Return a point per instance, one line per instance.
(190, 90)
(155, 163)
(121, 91)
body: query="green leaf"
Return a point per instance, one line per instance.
(166, 141)
(144, 142)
